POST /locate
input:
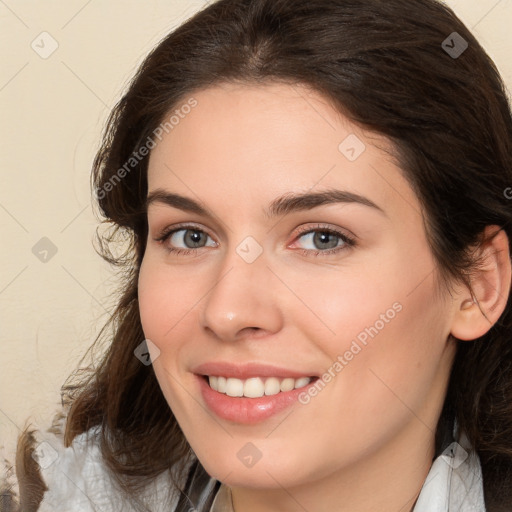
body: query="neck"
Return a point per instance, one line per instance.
(389, 480)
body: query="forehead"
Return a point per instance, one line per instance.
(251, 143)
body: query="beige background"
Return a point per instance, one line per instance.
(53, 110)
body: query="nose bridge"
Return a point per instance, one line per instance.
(242, 295)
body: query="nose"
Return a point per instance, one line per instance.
(243, 300)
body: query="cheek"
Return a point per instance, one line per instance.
(165, 304)
(383, 329)
(339, 305)
(163, 300)
(392, 353)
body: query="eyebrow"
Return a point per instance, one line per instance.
(288, 203)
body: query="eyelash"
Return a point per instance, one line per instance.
(349, 242)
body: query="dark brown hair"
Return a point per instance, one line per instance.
(382, 64)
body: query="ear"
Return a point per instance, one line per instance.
(475, 315)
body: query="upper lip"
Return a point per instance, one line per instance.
(247, 370)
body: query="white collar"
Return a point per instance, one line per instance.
(454, 481)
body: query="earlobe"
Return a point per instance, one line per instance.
(478, 311)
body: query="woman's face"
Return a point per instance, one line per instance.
(276, 283)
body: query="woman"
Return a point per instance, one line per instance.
(370, 373)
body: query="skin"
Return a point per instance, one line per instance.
(366, 441)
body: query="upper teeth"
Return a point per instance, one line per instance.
(255, 387)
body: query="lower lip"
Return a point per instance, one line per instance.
(248, 410)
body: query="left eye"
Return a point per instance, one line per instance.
(325, 241)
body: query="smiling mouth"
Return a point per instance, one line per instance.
(255, 387)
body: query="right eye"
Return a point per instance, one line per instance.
(191, 238)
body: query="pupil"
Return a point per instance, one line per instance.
(323, 238)
(194, 237)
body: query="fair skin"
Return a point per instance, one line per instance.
(366, 441)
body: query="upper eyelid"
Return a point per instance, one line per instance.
(323, 226)
(217, 223)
